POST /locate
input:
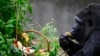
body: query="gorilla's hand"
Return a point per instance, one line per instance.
(68, 45)
(64, 41)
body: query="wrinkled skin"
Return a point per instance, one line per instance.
(86, 31)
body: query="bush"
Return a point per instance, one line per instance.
(12, 12)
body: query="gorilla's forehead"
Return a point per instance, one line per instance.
(83, 13)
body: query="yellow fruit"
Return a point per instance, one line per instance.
(25, 36)
(26, 39)
(68, 34)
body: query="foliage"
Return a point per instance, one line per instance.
(50, 30)
(12, 12)
(12, 16)
(53, 52)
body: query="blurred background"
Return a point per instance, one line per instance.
(62, 12)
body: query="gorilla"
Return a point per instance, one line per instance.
(86, 32)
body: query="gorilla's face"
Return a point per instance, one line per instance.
(85, 26)
(85, 23)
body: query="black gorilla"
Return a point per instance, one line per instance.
(86, 32)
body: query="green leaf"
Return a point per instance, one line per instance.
(1, 24)
(4, 46)
(11, 21)
(9, 41)
(30, 8)
(53, 52)
(9, 28)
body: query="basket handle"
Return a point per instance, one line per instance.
(43, 36)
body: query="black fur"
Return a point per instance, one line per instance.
(86, 32)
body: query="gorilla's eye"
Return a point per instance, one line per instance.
(78, 22)
(90, 22)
